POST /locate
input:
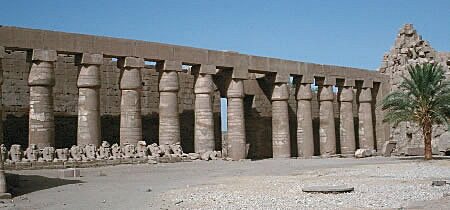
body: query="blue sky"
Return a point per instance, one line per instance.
(347, 32)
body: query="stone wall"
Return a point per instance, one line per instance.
(409, 48)
(65, 95)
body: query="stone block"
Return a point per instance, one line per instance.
(388, 148)
(88, 58)
(71, 164)
(362, 153)
(23, 165)
(204, 69)
(44, 55)
(328, 189)
(4, 196)
(69, 173)
(415, 151)
(168, 65)
(131, 62)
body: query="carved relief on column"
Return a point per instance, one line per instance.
(89, 82)
(41, 81)
(366, 135)
(305, 140)
(169, 122)
(204, 118)
(235, 119)
(281, 145)
(130, 103)
(327, 132)
(347, 126)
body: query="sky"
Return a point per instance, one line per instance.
(347, 32)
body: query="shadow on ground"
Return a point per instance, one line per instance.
(23, 184)
(422, 158)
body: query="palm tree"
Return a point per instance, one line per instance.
(423, 98)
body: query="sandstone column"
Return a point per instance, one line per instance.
(347, 126)
(327, 131)
(235, 119)
(204, 118)
(169, 122)
(281, 145)
(2, 54)
(130, 103)
(305, 140)
(366, 136)
(41, 80)
(89, 130)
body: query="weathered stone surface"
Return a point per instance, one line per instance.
(69, 173)
(16, 153)
(104, 151)
(32, 153)
(305, 140)
(48, 154)
(328, 189)
(76, 153)
(62, 154)
(347, 126)
(204, 117)
(235, 120)
(388, 148)
(90, 151)
(366, 135)
(169, 122)
(281, 144)
(362, 153)
(327, 130)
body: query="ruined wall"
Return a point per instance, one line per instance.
(15, 98)
(410, 48)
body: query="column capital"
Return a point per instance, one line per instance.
(280, 92)
(168, 65)
(346, 94)
(304, 91)
(235, 88)
(44, 55)
(365, 96)
(203, 84)
(326, 93)
(130, 62)
(89, 59)
(282, 77)
(168, 81)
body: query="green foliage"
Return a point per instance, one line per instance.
(422, 98)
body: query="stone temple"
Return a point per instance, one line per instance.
(62, 89)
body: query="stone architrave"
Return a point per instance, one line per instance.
(41, 81)
(281, 145)
(235, 119)
(204, 117)
(89, 130)
(169, 122)
(347, 126)
(366, 136)
(305, 140)
(130, 104)
(327, 132)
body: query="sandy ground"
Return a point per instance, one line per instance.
(232, 185)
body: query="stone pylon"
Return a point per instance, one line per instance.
(89, 130)
(204, 117)
(366, 135)
(236, 120)
(347, 125)
(281, 145)
(130, 103)
(327, 126)
(41, 81)
(169, 120)
(305, 140)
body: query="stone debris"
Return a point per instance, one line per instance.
(48, 154)
(438, 183)
(362, 153)
(388, 148)
(70, 173)
(32, 153)
(16, 153)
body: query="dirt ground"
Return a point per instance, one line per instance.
(165, 186)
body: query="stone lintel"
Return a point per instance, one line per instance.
(169, 65)
(89, 59)
(204, 69)
(2, 52)
(131, 62)
(44, 55)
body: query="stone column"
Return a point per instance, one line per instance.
(366, 136)
(327, 130)
(169, 122)
(204, 118)
(89, 130)
(2, 54)
(41, 80)
(347, 126)
(305, 139)
(130, 100)
(281, 144)
(236, 120)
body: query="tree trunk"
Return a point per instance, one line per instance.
(427, 131)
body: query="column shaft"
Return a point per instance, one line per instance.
(89, 127)
(204, 118)
(347, 126)
(327, 130)
(305, 140)
(366, 135)
(169, 122)
(236, 120)
(281, 145)
(41, 81)
(130, 104)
